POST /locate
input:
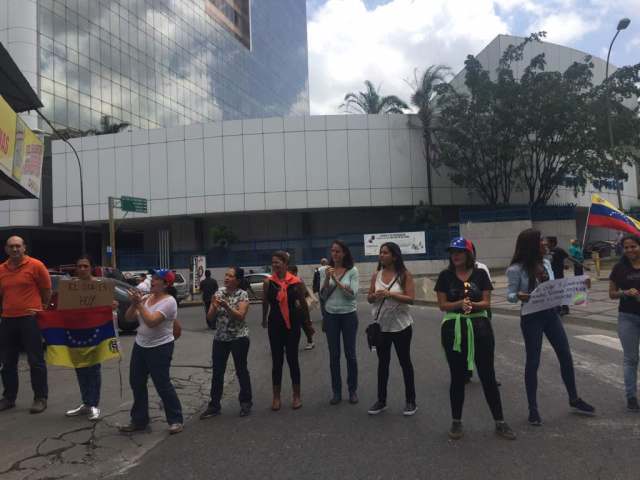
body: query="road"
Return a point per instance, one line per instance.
(323, 441)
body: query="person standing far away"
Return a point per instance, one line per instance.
(152, 352)
(529, 269)
(464, 294)
(391, 291)
(89, 378)
(208, 287)
(624, 284)
(558, 257)
(283, 311)
(577, 257)
(228, 310)
(339, 285)
(316, 275)
(25, 286)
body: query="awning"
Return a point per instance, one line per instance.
(14, 87)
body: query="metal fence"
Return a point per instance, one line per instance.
(303, 251)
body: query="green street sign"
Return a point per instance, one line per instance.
(133, 204)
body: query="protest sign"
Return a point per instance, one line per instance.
(84, 293)
(565, 291)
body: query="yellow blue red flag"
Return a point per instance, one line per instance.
(79, 337)
(604, 214)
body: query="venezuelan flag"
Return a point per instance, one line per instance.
(604, 214)
(79, 337)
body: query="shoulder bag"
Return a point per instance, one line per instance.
(373, 330)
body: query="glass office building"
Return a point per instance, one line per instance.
(158, 63)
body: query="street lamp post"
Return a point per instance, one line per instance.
(622, 24)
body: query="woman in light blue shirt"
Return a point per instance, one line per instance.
(339, 284)
(528, 270)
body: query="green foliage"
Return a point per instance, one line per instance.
(535, 132)
(427, 215)
(222, 236)
(370, 101)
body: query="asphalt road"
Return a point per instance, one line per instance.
(323, 441)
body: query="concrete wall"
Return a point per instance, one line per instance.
(565, 230)
(494, 241)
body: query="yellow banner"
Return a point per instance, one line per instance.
(8, 120)
(27, 161)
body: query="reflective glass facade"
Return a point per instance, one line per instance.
(158, 63)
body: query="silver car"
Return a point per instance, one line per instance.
(181, 286)
(256, 281)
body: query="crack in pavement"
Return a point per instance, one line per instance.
(97, 450)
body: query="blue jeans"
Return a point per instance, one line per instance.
(89, 380)
(629, 333)
(154, 362)
(534, 326)
(347, 325)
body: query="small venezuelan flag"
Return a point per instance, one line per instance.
(79, 337)
(604, 214)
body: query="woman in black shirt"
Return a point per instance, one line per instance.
(624, 283)
(464, 293)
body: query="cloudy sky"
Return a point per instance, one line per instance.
(385, 41)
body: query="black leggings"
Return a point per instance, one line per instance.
(284, 341)
(484, 345)
(402, 342)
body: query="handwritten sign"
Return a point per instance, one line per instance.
(565, 291)
(84, 293)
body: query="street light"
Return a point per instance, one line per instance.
(622, 24)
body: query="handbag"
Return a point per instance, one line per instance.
(373, 330)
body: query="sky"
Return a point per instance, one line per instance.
(390, 41)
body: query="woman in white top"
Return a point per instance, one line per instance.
(152, 352)
(392, 290)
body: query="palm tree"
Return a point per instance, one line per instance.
(370, 101)
(422, 99)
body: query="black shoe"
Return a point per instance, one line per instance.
(632, 405)
(335, 400)
(132, 427)
(6, 404)
(504, 430)
(534, 418)
(353, 398)
(468, 376)
(245, 409)
(410, 409)
(581, 407)
(210, 412)
(456, 432)
(377, 408)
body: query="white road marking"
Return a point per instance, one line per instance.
(603, 340)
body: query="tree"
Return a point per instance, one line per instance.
(537, 132)
(107, 126)
(422, 98)
(222, 236)
(370, 101)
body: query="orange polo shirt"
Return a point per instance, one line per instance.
(20, 287)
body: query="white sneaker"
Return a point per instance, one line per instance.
(81, 410)
(94, 414)
(175, 428)
(310, 346)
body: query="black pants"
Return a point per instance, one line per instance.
(402, 342)
(578, 269)
(484, 345)
(534, 326)
(22, 332)
(154, 362)
(239, 349)
(284, 342)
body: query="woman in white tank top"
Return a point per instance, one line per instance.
(391, 292)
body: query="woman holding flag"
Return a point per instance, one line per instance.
(284, 308)
(89, 378)
(528, 269)
(464, 294)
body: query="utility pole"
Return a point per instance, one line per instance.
(112, 231)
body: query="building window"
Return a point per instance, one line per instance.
(234, 15)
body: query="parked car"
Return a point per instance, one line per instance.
(256, 281)
(120, 294)
(182, 287)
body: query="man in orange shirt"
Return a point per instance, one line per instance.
(25, 287)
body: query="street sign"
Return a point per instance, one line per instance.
(133, 204)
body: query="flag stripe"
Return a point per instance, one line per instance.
(86, 337)
(613, 223)
(79, 318)
(598, 210)
(82, 357)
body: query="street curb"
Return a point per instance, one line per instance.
(568, 319)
